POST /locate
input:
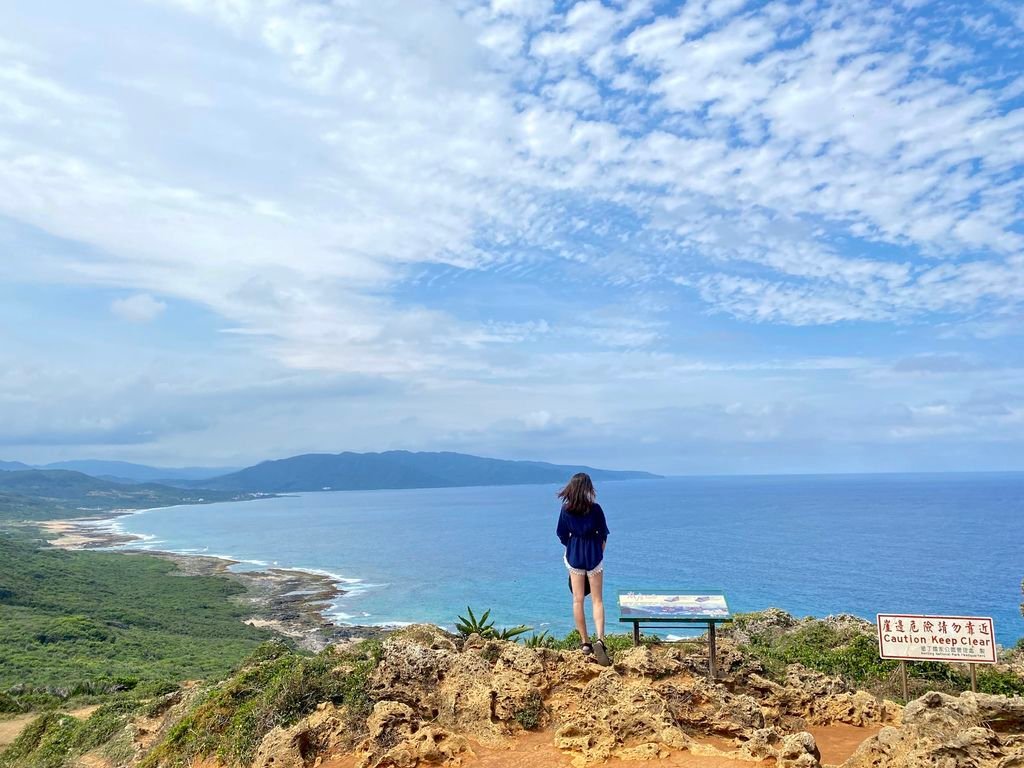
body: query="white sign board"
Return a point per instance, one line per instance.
(913, 637)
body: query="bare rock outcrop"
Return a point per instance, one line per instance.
(487, 689)
(619, 718)
(807, 698)
(299, 746)
(795, 750)
(434, 688)
(397, 738)
(942, 731)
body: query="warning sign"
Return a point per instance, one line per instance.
(936, 638)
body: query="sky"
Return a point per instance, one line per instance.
(711, 236)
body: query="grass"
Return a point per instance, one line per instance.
(274, 687)
(54, 740)
(853, 655)
(613, 643)
(84, 625)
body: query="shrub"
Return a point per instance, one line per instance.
(275, 687)
(1004, 681)
(614, 643)
(532, 712)
(73, 629)
(10, 705)
(54, 740)
(853, 655)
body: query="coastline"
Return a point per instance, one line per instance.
(289, 602)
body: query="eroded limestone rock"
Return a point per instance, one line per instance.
(398, 739)
(301, 745)
(942, 731)
(619, 717)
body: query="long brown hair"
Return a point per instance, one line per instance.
(578, 494)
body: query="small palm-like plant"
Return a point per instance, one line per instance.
(472, 624)
(543, 640)
(511, 633)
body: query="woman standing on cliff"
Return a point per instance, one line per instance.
(583, 531)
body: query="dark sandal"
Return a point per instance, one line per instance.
(601, 653)
(588, 649)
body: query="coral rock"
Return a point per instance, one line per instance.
(797, 750)
(298, 746)
(619, 718)
(397, 739)
(942, 731)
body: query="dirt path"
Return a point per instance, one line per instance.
(837, 742)
(537, 750)
(11, 727)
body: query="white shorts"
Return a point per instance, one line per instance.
(599, 568)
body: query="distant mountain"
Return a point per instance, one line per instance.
(51, 493)
(124, 471)
(398, 469)
(9, 466)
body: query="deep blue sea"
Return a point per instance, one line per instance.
(813, 545)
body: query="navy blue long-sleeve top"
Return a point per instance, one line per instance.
(583, 536)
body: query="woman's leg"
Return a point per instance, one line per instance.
(597, 602)
(578, 616)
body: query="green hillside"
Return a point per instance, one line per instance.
(39, 494)
(399, 469)
(89, 622)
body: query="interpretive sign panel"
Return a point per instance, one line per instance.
(664, 606)
(910, 637)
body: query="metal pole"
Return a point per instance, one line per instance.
(636, 633)
(974, 677)
(711, 651)
(903, 678)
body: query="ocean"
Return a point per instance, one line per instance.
(812, 545)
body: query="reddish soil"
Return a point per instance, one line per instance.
(536, 750)
(837, 742)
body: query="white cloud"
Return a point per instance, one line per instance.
(140, 308)
(291, 166)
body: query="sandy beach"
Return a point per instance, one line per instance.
(288, 602)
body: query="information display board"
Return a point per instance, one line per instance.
(666, 606)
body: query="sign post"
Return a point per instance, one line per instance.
(914, 637)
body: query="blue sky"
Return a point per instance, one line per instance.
(699, 237)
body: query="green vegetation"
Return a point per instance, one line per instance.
(613, 643)
(532, 712)
(54, 739)
(274, 687)
(51, 494)
(398, 469)
(481, 626)
(87, 624)
(543, 640)
(852, 654)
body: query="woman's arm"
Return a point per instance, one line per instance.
(562, 531)
(602, 524)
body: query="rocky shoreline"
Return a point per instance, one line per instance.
(286, 601)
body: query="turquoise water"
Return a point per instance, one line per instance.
(812, 545)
